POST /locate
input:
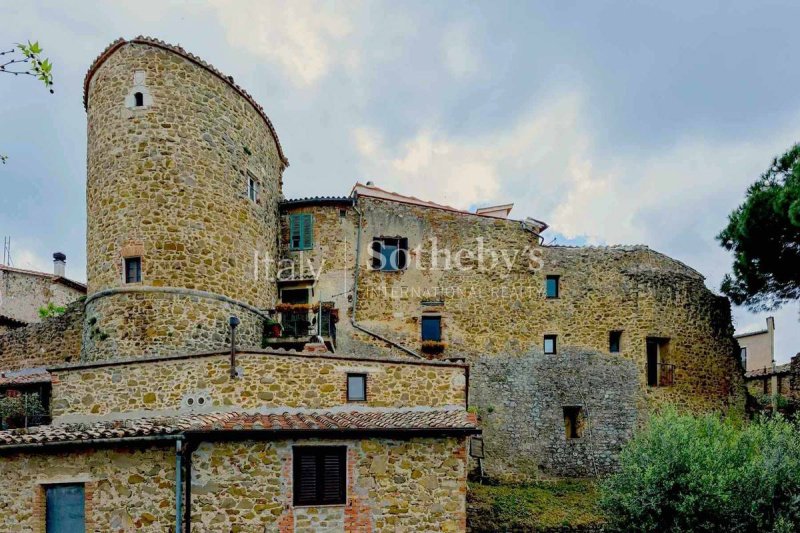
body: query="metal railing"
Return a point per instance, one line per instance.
(664, 375)
(304, 323)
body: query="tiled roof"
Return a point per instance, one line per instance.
(317, 200)
(760, 372)
(56, 279)
(113, 47)
(24, 378)
(310, 421)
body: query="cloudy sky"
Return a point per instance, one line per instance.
(615, 122)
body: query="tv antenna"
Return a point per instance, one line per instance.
(7, 251)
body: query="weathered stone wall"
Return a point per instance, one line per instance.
(168, 181)
(55, 341)
(126, 490)
(414, 485)
(494, 305)
(22, 294)
(268, 381)
(521, 400)
(138, 324)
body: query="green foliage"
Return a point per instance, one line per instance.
(685, 473)
(543, 506)
(51, 310)
(24, 407)
(764, 235)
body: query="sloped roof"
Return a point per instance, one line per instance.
(761, 372)
(366, 421)
(32, 377)
(119, 43)
(52, 277)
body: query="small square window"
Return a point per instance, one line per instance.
(252, 189)
(320, 475)
(550, 344)
(574, 421)
(133, 269)
(432, 328)
(389, 254)
(614, 341)
(356, 387)
(552, 286)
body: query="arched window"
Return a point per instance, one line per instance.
(139, 98)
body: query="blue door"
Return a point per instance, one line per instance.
(65, 509)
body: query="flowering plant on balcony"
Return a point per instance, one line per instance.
(433, 347)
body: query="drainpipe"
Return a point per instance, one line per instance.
(353, 321)
(233, 322)
(178, 491)
(187, 485)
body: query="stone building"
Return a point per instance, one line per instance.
(24, 292)
(247, 362)
(757, 348)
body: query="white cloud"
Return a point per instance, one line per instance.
(460, 54)
(307, 39)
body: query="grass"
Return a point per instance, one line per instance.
(563, 505)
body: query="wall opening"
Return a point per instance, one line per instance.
(138, 99)
(659, 372)
(574, 421)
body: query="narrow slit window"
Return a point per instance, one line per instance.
(552, 286)
(139, 99)
(133, 269)
(356, 387)
(320, 475)
(550, 344)
(614, 341)
(252, 189)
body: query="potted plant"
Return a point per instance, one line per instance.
(433, 347)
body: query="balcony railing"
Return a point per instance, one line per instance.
(662, 375)
(304, 323)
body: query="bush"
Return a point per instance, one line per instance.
(685, 473)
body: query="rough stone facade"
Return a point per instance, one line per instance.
(24, 292)
(493, 309)
(267, 381)
(191, 149)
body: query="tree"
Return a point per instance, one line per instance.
(764, 235)
(26, 60)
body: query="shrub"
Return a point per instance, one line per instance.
(685, 473)
(51, 310)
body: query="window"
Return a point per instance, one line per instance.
(300, 232)
(133, 269)
(573, 421)
(550, 344)
(551, 286)
(138, 99)
(432, 328)
(614, 341)
(743, 354)
(659, 373)
(295, 296)
(356, 387)
(320, 475)
(389, 254)
(65, 508)
(252, 189)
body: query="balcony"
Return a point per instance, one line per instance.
(301, 322)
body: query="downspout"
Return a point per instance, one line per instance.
(178, 491)
(187, 485)
(353, 321)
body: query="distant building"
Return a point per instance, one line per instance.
(24, 292)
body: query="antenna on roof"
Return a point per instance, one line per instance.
(7, 251)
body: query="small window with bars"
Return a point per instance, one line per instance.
(133, 270)
(301, 230)
(320, 475)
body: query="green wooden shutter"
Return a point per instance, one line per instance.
(301, 232)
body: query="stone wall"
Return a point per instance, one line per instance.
(126, 489)
(268, 381)
(393, 485)
(521, 400)
(23, 293)
(55, 341)
(495, 305)
(168, 181)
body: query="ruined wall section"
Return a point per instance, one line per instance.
(54, 341)
(22, 294)
(168, 182)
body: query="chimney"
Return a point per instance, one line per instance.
(59, 264)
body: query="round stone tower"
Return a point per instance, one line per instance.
(183, 185)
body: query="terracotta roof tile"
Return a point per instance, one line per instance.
(394, 420)
(25, 378)
(760, 372)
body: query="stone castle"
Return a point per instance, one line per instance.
(247, 362)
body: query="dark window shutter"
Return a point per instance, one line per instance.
(402, 252)
(306, 481)
(333, 478)
(376, 254)
(307, 231)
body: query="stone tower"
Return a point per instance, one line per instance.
(183, 185)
